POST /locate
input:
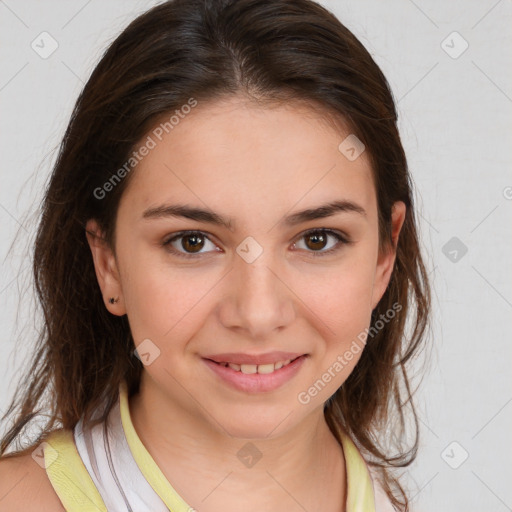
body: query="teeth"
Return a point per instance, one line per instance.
(250, 369)
(266, 368)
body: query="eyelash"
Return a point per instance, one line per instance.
(342, 240)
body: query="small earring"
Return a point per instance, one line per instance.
(113, 301)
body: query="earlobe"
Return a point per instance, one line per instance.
(386, 260)
(105, 266)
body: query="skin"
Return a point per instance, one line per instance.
(255, 164)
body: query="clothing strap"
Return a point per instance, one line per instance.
(360, 494)
(68, 475)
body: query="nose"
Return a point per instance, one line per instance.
(258, 300)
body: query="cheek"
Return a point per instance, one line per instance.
(162, 302)
(339, 303)
(150, 297)
(339, 297)
(335, 358)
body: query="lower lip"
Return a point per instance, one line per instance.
(256, 382)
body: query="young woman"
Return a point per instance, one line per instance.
(226, 260)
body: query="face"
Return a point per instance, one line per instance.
(250, 276)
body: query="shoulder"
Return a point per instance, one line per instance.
(25, 486)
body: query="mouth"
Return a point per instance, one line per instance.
(256, 378)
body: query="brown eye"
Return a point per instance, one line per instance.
(190, 244)
(316, 240)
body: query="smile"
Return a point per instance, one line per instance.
(252, 378)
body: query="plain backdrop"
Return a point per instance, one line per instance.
(448, 64)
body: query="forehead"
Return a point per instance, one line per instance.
(236, 156)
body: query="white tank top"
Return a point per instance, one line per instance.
(110, 463)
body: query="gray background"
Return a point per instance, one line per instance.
(455, 109)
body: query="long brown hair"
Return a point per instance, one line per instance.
(272, 51)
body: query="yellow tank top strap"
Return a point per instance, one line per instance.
(360, 494)
(146, 463)
(68, 475)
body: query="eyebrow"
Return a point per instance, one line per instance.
(208, 216)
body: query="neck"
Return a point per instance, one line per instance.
(303, 468)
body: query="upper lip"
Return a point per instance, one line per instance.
(267, 358)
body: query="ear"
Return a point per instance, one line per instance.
(386, 260)
(105, 265)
